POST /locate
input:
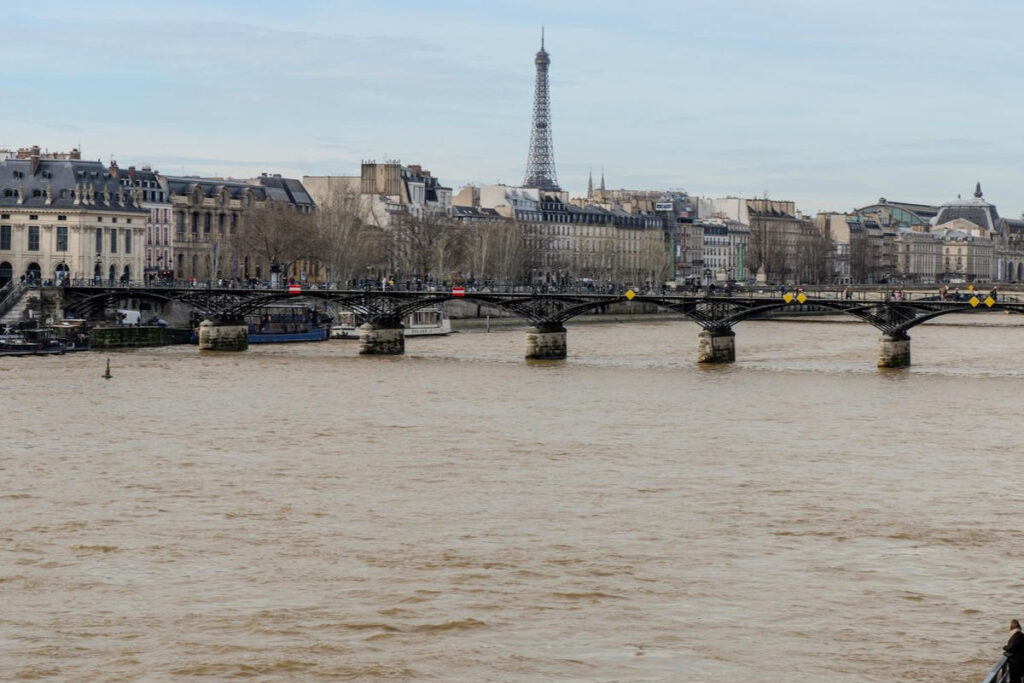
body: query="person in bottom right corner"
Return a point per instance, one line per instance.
(1014, 651)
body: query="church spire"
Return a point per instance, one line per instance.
(602, 180)
(977, 190)
(590, 185)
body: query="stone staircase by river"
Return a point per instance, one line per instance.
(14, 300)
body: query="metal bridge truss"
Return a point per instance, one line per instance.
(551, 311)
(891, 317)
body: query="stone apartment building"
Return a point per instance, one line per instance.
(684, 240)
(64, 217)
(724, 250)
(568, 242)
(779, 244)
(387, 192)
(151, 194)
(207, 214)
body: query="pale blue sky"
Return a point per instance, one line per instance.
(830, 104)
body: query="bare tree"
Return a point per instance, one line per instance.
(346, 245)
(497, 250)
(277, 235)
(431, 245)
(860, 260)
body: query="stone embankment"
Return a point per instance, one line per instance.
(136, 337)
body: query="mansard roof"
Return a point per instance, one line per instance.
(63, 178)
(210, 187)
(1011, 226)
(473, 212)
(285, 190)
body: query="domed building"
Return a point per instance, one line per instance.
(977, 242)
(974, 210)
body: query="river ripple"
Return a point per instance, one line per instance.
(298, 512)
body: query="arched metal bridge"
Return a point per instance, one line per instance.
(547, 312)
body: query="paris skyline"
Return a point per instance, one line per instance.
(830, 107)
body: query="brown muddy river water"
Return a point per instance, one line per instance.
(297, 512)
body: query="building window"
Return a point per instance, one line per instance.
(5, 237)
(33, 217)
(99, 240)
(33, 238)
(114, 219)
(128, 221)
(128, 241)
(5, 216)
(62, 238)
(99, 219)
(113, 240)
(62, 218)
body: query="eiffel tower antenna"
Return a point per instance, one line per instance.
(540, 164)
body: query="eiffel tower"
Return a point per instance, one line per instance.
(540, 164)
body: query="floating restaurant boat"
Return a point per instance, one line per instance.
(285, 324)
(425, 322)
(30, 343)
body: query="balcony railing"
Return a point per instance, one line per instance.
(1000, 673)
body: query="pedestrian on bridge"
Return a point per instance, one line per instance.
(1014, 651)
(994, 293)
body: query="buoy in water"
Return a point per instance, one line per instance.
(107, 375)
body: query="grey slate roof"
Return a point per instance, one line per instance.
(183, 185)
(64, 178)
(286, 190)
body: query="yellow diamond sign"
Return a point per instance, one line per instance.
(801, 297)
(974, 301)
(787, 297)
(630, 294)
(989, 301)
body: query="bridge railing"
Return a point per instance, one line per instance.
(10, 294)
(1000, 673)
(759, 291)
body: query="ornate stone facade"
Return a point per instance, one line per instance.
(62, 217)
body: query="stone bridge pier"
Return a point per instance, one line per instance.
(894, 350)
(546, 341)
(381, 339)
(223, 334)
(716, 346)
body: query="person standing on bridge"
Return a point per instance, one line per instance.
(994, 293)
(1014, 651)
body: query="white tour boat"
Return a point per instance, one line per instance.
(421, 323)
